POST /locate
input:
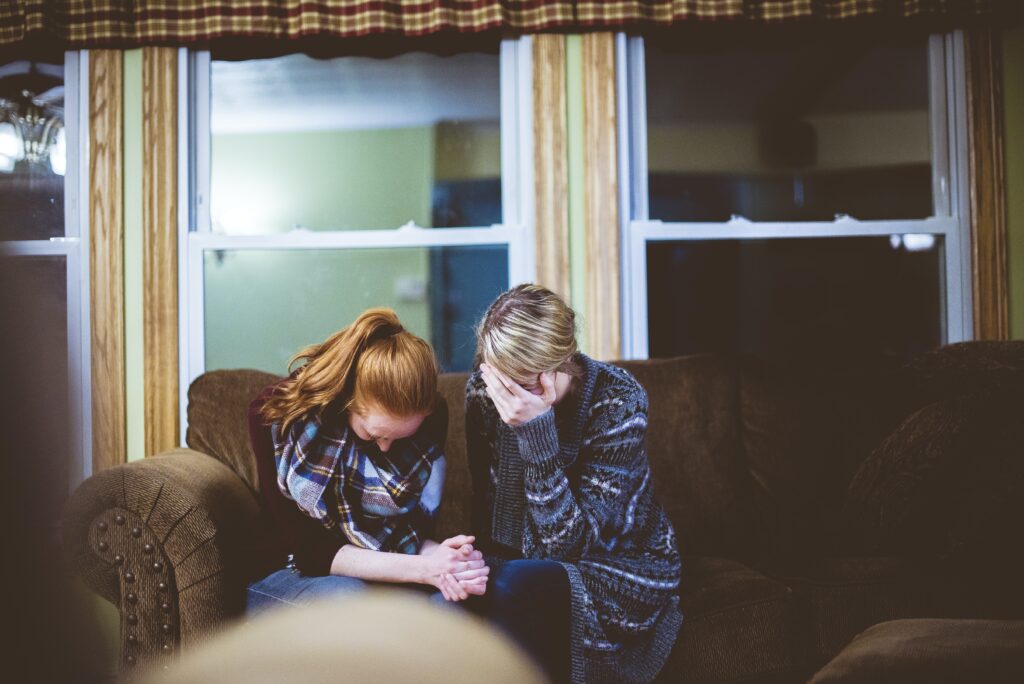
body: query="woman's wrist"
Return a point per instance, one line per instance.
(538, 438)
(422, 570)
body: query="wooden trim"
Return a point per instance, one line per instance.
(106, 259)
(551, 179)
(603, 296)
(990, 274)
(160, 246)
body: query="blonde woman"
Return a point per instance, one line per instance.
(585, 569)
(349, 454)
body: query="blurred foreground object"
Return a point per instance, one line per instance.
(377, 636)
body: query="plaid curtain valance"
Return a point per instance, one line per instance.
(128, 23)
(614, 13)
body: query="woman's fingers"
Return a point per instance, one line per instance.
(457, 591)
(458, 541)
(547, 383)
(507, 382)
(499, 397)
(473, 574)
(493, 380)
(443, 588)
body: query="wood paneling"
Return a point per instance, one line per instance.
(601, 182)
(106, 259)
(987, 186)
(160, 246)
(550, 159)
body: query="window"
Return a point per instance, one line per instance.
(790, 198)
(323, 187)
(44, 258)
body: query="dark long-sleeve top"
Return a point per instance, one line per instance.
(574, 485)
(295, 535)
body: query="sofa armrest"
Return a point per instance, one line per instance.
(168, 540)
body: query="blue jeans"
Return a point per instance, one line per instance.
(528, 599)
(287, 587)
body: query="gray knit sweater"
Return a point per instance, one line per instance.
(574, 485)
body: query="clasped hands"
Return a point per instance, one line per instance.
(456, 568)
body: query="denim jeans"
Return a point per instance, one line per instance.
(528, 599)
(289, 587)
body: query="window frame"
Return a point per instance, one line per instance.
(950, 220)
(73, 246)
(516, 231)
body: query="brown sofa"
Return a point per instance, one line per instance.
(811, 501)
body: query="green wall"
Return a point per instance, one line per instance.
(262, 306)
(134, 336)
(323, 180)
(1013, 100)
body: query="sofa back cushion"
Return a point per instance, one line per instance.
(454, 516)
(806, 428)
(693, 445)
(218, 417)
(948, 481)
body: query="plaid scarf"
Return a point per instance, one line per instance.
(384, 501)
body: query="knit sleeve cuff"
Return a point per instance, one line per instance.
(538, 438)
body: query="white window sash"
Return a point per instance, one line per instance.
(72, 247)
(949, 183)
(196, 238)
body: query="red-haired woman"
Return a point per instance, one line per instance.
(351, 469)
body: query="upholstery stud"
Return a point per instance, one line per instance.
(132, 598)
(158, 566)
(162, 586)
(130, 660)
(102, 525)
(119, 559)
(133, 619)
(166, 607)
(119, 519)
(132, 640)
(166, 627)
(136, 532)
(103, 546)
(166, 648)
(129, 577)
(147, 548)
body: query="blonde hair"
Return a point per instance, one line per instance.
(526, 331)
(374, 362)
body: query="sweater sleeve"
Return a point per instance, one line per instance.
(294, 534)
(595, 509)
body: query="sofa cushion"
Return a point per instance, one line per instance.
(738, 625)
(454, 515)
(839, 597)
(695, 454)
(218, 418)
(805, 429)
(968, 367)
(949, 481)
(934, 651)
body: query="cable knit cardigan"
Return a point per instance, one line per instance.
(574, 485)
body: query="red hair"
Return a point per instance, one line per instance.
(372, 363)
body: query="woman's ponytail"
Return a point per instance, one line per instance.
(401, 369)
